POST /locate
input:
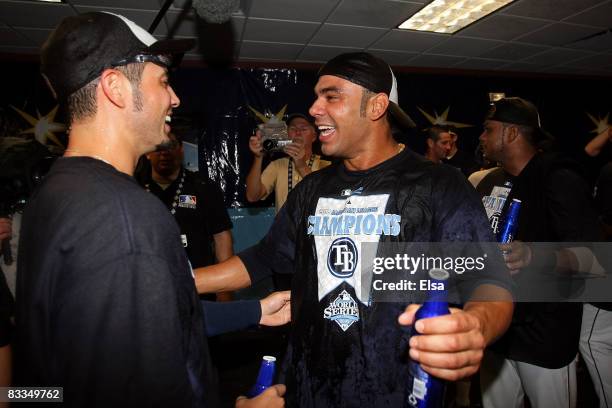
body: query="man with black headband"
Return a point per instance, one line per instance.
(106, 303)
(536, 357)
(345, 349)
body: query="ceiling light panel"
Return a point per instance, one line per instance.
(449, 16)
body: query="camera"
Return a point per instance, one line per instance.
(274, 136)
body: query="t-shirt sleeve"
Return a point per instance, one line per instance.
(217, 218)
(224, 317)
(129, 337)
(461, 220)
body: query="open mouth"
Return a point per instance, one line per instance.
(167, 124)
(325, 132)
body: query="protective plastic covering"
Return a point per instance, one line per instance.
(223, 119)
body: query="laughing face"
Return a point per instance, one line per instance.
(337, 116)
(157, 99)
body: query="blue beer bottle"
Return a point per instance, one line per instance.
(425, 390)
(507, 232)
(265, 377)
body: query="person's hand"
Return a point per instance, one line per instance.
(276, 309)
(255, 144)
(517, 256)
(449, 347)
(272, 397)
(297, 151)
(6, 229)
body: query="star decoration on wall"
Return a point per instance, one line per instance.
(43, 127)
(601, 124)
(265, 118)
(442, 119)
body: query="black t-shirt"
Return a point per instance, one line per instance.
(555, 207)
(106, 303)
(199, 211)
(463, 162)
(346, 351)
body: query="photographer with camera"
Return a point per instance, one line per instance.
(283, 174)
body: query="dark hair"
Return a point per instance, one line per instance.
(82, 103)
(434, 132)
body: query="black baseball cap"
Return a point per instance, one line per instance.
(519, 111)
(83, 46)
(372, 73)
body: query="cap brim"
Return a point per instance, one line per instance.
(402, 119)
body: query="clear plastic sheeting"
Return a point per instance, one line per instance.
(223, 120)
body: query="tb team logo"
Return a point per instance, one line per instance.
(342, 257)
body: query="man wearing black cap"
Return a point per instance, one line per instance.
(345, 350)
(537, 354)
(282, 175)
(106, 303)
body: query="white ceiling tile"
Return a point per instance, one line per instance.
(269, 51)
(548, 9)
(16, 37)
(373, 13)
(596, 43)
(597, 16)
(411, 41)
(278, 31)
(599, 60)
(346, 36)
(311, 10)
(33, 14)
(466, 47)
(394, 58)
(479, 64)
(513, 52)
(315, 53)
(500, 27)
(38, 36)
(434, 61)
(558, 34)
(133, 4)
(556, 56)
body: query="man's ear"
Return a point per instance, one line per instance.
(377, 106)
(430, 143)
(114, 86)
(512, 133)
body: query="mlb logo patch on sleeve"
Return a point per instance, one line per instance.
(187, 201)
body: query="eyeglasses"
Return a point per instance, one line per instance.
(162, 60)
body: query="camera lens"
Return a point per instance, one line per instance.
(269, 144)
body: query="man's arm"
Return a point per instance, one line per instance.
(255, 190)
(593, 148)
(223, 251)
(222, 277)
(451, 347)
